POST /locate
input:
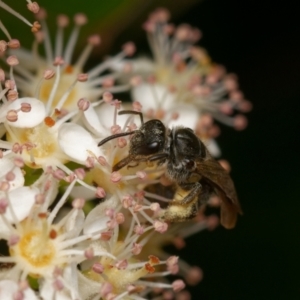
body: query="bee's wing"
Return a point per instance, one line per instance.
(214, 173)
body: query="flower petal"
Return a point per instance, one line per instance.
(106, 114)
(91, 120)
(82, 192)
(77, 143)
(47, 291)
(74, 224)
(7, 165)
(96, 220)
(8, 289)
(22, 199)
(153, 96)
(213, 147)
(27, 119)
(188, 116)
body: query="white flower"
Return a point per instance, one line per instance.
(40, 135)
(40, 245)
(126, 233)
(32, 65)
(181, 74)
(11, 290)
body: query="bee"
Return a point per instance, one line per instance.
(188, 164)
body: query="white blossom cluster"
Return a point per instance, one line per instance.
(70, 228)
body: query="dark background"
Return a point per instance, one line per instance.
(259, 259)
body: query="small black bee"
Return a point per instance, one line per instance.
(188, 164)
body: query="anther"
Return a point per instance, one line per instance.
(12, 115)
(13, 44)
(35, 27)
(83, 104)
(100, 192)
(48, 74)
(62, 21)
(33, 7)
(12, 60)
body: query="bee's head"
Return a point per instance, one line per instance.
(149, 139)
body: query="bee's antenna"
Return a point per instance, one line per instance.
(114, 137)
(133, 112)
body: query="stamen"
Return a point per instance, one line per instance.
(80, 20)
(42, 15)
(3, 28)
(53, 90)
(92, 42)
(60, 202)
(62, 22)
(13, 12)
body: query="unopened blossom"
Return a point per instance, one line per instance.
(32, 65)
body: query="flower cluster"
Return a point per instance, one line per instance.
(72, 228)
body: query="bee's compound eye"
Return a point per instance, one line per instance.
(149, 148)
(154, 146)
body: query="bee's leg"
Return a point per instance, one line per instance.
(157, 156)
(185, 203)
(194, 189)
(122, 163)
(205, 194)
